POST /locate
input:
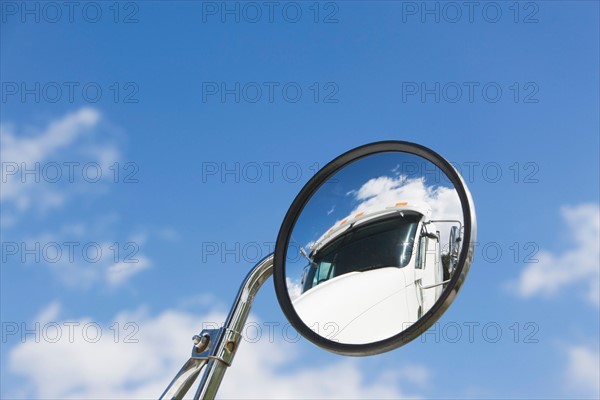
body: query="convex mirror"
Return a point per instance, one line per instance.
(374, 248)
(371, 253)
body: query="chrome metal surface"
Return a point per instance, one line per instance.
(215, 348)
(231, 336)
(184, 379)
(436, 285)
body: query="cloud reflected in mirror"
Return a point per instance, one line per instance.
(376, 245)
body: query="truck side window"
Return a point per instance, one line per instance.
(323, 273)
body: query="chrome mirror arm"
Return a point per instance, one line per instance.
(184, 379)
(215, 348)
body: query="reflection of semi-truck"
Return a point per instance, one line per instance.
(373, 274)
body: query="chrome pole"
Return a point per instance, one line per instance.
(216, 348)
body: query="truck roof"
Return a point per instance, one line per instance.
(358, 218)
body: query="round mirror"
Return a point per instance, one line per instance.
(374, 248)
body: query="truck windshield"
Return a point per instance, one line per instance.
(384, 243)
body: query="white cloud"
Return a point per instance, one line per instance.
(79, 262)
(69, 139)
(57, 135)
(580, 264)
(294, 288)
(583, 371)
(120, 272)
(257, 374)
(49, 314)
(64, 158)
(130, 264)
(417, 374)
(112, 368)
(385, 191)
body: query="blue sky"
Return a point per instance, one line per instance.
(204, 129)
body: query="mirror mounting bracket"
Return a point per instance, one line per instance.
(204, 343)
(215, 348)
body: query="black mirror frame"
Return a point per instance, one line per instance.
(312, 186)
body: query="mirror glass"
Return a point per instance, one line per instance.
(374, 248)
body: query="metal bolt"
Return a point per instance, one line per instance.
(201, 342)
(230, 346)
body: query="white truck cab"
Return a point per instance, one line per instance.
(385, 263)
